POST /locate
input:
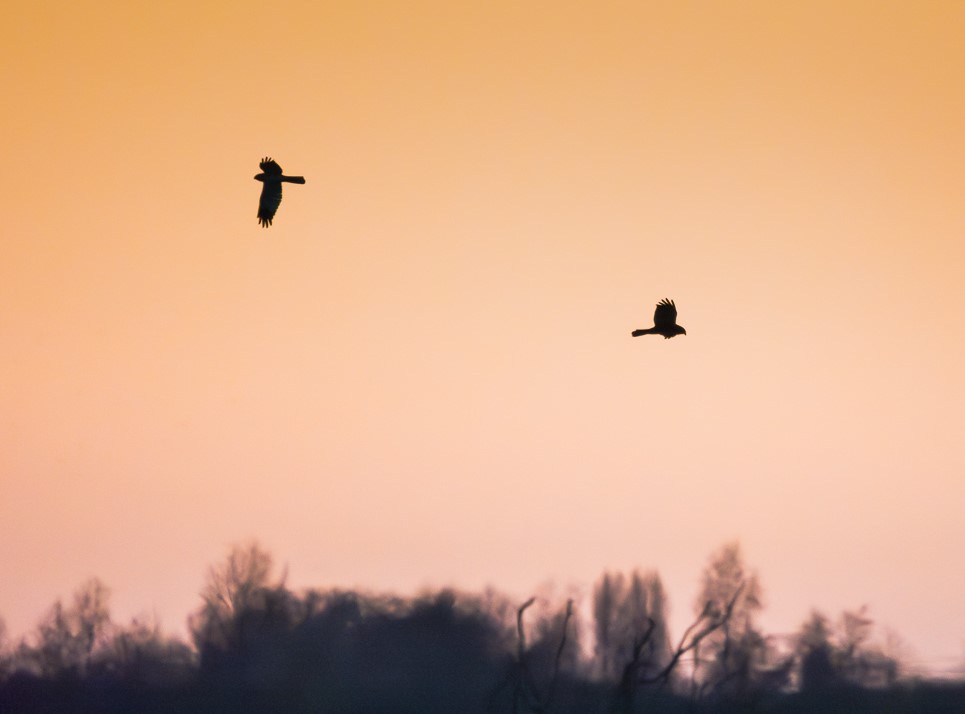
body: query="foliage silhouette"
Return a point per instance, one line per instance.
(259, 646)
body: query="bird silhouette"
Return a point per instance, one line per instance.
(271, 179)
(664, 321)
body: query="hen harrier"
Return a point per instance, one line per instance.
(271, 178)
(664, 321)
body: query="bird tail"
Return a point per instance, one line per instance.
(293, 179)
(637, 333)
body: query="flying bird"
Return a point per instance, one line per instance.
(664, 321)
(271, 179)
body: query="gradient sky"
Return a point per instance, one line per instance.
(422, 374)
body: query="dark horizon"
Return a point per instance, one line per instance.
(341, 650)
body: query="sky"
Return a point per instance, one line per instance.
(422, 374)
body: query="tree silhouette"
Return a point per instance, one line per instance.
(140, 654)
(832, 656)
(540, 661)
(65, 639)
(732, 658)
(627, 611)
(261, 647)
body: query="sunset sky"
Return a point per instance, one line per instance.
(422, 374)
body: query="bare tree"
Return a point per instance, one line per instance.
(709, 621)
(829, 656)
(526, 691)
(140, 653)
(816, 654)
(91, 614)
(606, 604)
(241, 604)
(736, 652)
(65, 639)
(626, 609)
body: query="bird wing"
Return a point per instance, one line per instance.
(269, 201)
(666, 314)
(270, 166)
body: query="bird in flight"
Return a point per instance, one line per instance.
(271, 179)
(664, 321)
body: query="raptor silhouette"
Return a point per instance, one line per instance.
(664, 321)
(271, 179)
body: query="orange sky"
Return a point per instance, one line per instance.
(422, 373)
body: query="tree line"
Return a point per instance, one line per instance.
(256, 645)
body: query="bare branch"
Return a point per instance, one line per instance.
(526, 688)
(519, 627)
(628, 682)
(695, 639)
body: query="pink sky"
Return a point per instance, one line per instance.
(422, 374)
